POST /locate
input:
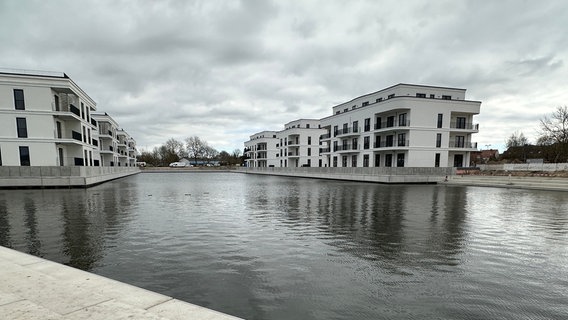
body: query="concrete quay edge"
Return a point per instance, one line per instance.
(531, 183)
(35, 288)
(61, 181)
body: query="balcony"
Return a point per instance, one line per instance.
(391, 144)
(74, 110)
(324, 150)
(464, 126)
(347, 132)
(345, 147)
(325, 136)
(391, 124)
(463, 145)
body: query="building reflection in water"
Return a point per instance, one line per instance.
(75, 226)
(373, 222)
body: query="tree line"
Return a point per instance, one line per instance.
(194, 148)
(551, 144)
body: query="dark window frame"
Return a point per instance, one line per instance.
(19, 100)
(24, 156)
(22, 127)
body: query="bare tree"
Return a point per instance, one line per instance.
(195, 147)
(209, 153)
(517, 139)
(554, 132)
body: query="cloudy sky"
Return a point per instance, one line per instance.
(223, 70)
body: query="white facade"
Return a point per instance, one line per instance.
(116, 147)
(400, 126)
(298, 144)
(260, 150)
(46, 120)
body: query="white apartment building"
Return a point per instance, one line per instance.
(298, 144)
(116, 147)
(46, 120)
(401, 126)
(260, 150)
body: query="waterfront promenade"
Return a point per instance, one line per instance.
(35, 288)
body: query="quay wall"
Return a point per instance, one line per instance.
(60, 177)
(378, 175)
(525, 167)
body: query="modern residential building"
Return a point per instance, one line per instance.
(260, 150)
(116, 147)
(46, 119)
(401, 126)
(298, 144)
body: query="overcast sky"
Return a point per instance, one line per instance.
(223, 70)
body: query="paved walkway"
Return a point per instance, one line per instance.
(537, 183)
(34, 288)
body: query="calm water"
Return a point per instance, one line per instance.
(284, 248)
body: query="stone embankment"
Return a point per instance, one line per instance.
(34, 288)
(522, 180)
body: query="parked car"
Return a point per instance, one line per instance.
(177, 164)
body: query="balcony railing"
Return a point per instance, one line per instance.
(345, 147)
(464, 126)
(344, 131)
(76, 135)
(393, 124)
(324, 150)
(325, 136)
(74, 110)
(391, 144)
(464, 145)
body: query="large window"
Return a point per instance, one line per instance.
(365, 160)
(367, 125)
(402, 120)
(355, 126)
(354, 161)
(460, 122)
(366, 142)
(388, 160)
(378, 124)
(400, 160)
(460, 141)
(401, 139)
(335, 161)
(24, 156)
(344, 161)
(390, 121)
(22, 127)
(19, 99)
(377, 160)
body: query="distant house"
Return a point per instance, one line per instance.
(483, 156)
(185, 161)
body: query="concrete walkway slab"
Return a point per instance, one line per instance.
(35, 288)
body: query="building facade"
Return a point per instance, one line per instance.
(401, 126)
(46, 120)
(298, 144)
(116, 146)
(261, 150)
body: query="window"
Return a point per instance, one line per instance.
(354, 161)
(0, 157)
(320, 163)
(440, 119)
(460, 122)
(337, 112)
(366, 103)
(355, 126)
(390, 121)
(24, 156)
(420, 95)
(58, 128)
(309, 140)
(377, 160)
(345, 128)
(335, 130)
(447, 97)
(309, 151)
(346, 109)
(353, 107)
(400, 160)
(367, 125)
(366, 142)
(334, 145)
(402, 120)
(388, 160)
(355, 145)
(365, 160)
(56, 99)
(378, 123)
(307, 125)
(379, 100)
(19, 103)
(309, 162)
(82, 110)
(344, 161)
(460, 141)
(401, 139)
(22, 127)
(377, 142)
(432, 96)
(437, 160)
(335, 161)
(390, 96)
(390, 141)
(438, 140)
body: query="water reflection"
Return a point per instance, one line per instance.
(73, 223)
